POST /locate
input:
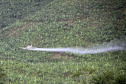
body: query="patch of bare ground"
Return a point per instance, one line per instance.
(72, 2)
(67, 74)
(68, 23)
(62, 56)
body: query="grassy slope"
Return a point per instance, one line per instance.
(12, 10)
(63, 24)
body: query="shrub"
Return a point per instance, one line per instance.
(121, 79)
(3, 76)
(104, 78)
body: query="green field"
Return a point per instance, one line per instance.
(61, 23)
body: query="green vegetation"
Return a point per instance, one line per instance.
(3, 76)
(61, 23)
(13, 10)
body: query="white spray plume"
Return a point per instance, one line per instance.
(106, 47)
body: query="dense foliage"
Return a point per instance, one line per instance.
(13, 10)
(3, 76)
(61, 23)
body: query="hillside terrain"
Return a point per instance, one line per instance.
(61, 23)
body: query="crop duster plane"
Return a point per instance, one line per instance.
(28, 47)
